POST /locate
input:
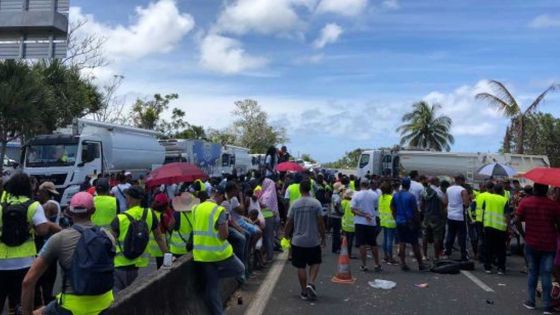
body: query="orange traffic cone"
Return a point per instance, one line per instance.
(343, 274)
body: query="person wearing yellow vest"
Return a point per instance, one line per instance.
(61, 248)
(213, 252)
(388, 223)
(180, 241)
(17, 246)
(335, 217)
(352, 182)
(160, 205)
(495, 221)
(126, 269)
(106, 209)
(348, 219)
(292, 192)
(485, 191)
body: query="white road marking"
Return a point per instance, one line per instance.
(477, 281)
(265, 291)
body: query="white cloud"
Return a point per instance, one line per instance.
(157, 28)
(261, 16)
(391, 4)
(470, 117)
(226, 55)
(329, 34)
(545, 21)
(342, 7)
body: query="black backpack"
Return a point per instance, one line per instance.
(137, 236)
(15, 227)
(91, 272)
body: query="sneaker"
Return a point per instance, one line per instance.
(405, 268)
(378, 268)
(364, 268)
(303, 296)
(501, 272)
(548, 310)
(311, 292)
(529, 305)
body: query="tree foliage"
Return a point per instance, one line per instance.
(502, 99)
(542, 133)
(348, 161)
(307, 158)
(423, 128)
(147, 114)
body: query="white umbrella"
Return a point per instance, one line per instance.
(497, 169)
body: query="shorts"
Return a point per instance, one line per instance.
(434, 230)
(366, 235)
(407, 235)
(53, 308)
(251, 228)
(305, 256)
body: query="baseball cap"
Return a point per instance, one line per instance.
(161, 200)
(135, 192)
(49, 186)
(81, 202)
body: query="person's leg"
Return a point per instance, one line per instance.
(230, 268)
(546, 264)
(402, 253)
(302, 278)
(14, 291)
(313, 273)
(489, 248)
(385, 243)
(473, 237)
(336, 225)
(237, 241)
(268, 238)
(451, 234)
(462, 235)
(350, 242)
(480, 232)
(4, 287)
(212, 289)
(374, 248)
(501, 241)
(363, 255)
(159, 262)
(533, 260)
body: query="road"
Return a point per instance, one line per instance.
(475, 293)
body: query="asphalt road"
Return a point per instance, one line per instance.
(445, 294)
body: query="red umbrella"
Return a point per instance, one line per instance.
(544, 175)
(289, 167)
(174, 173)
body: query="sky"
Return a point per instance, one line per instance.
(337, 74)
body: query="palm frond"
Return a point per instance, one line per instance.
(502, 92)
(498, 103)
(540, 98)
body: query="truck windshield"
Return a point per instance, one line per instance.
(364, 160)
(51, 155)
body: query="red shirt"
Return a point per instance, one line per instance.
(540, 215)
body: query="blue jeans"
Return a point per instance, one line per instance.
(268, 238)
(388, 240)
(213, 272)
(540, 263)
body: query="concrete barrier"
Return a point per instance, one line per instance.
(178, 290)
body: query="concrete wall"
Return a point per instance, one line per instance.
(178, 290)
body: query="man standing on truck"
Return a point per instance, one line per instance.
(458, 199)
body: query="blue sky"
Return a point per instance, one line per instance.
(338, 74)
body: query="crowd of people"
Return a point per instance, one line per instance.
(233, 225)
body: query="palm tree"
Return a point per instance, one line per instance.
(505, 102)
(423, 128)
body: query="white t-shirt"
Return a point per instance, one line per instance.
(416, 189)
(119, 194)
(455, 203)
(365, 201)
(25, 262)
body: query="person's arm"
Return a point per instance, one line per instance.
(289, 227)
(466, 198)
(322, 228)
(38, 268)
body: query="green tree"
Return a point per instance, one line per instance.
(252, 128)
(501, 98)
(147, 113)
(423, 128)
(307, 158)
(221, 136)
(348, 161)
(542, 136)
(22, 95)
(192, 132)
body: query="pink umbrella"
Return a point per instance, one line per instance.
(289, 167)
(174, 173)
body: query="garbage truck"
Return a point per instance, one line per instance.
(90, 148)
(397, 161)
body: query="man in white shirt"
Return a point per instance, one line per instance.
(416, 188)
(364, 206)
(458, 199)
(118, 192)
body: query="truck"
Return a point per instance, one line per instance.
(88, 148)
(396, 162)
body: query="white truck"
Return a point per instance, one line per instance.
(90, 147)
(396, 162)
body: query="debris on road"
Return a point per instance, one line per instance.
(421, 285)
(382, 284)
(501, 284)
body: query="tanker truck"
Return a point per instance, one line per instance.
(396, 162)
(89, 147)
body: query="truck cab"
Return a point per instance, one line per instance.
(379, 162)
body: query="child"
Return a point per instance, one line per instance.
(348, 220)
(254, 217)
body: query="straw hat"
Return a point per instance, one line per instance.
(348, 193)
(185, 202)
(338, 187)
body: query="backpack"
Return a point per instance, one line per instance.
(15, 227)
(137, 237)
(433, 206)
(91, 271)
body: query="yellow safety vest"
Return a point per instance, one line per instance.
(86, 304)
(294, 193)
(494, 216)
(153, 247)
(180, 238)
(267, 213)
(28, 248)
(105, 211)
(348, 217)
(124, 223)
(352, 185)
(479, 202)
(207, 245)
(202, 185)
(385, 212)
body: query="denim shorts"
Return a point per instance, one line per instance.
(251, 228)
